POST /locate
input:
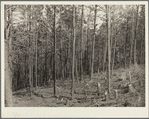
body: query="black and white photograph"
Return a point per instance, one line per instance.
(74, 55)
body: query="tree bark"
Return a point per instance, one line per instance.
(54, 67)
(92, 71)
(114, 52)
(46, 59)
(131, 44)
(74, 38)
(81, 68)
(8, 58)
(76, 69)
(61, 45)
(36, 61)
(126, 44)
(143, 37)
(29, 52)
(135, 32)
(108, 7)
(105, 51)
(88, 63)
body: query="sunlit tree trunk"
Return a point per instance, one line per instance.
(8, 79)
(92, 71)
(73, 58)
(8, 58)
(108, 12)
(111, 40)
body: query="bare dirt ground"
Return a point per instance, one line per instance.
(127, 89)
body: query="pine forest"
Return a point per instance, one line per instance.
(74, 55)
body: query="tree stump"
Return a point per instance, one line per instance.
(98, 89)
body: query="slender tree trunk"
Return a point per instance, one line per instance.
(30, 73)
(61, 62)
(18, 71)
(25, 71)
(108, 7)
(70, 67)
(63, 69)
(88, 63)
(8, 64)
(76, 66)
(135, 37)
(86, 56)
(142, 42)
(76, 70)
(105, 51)
(131, 44)
(81, 49)
(126, 44)
(32, 66)
(103, 47)
(8, 80)
(124, 51)
(74, 38)
(99, 60)
(111, 37)
(51, 65)
(46, 59)
(32, 58)
(111, 43)
(54, 67)
(67, 64)
(42, 63)
(118, 54)
(36, 62)
(141, 59)
(114, 51)
(92, 71)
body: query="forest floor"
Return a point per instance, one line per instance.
(86, 92)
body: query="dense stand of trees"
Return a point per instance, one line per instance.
(47, 43)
